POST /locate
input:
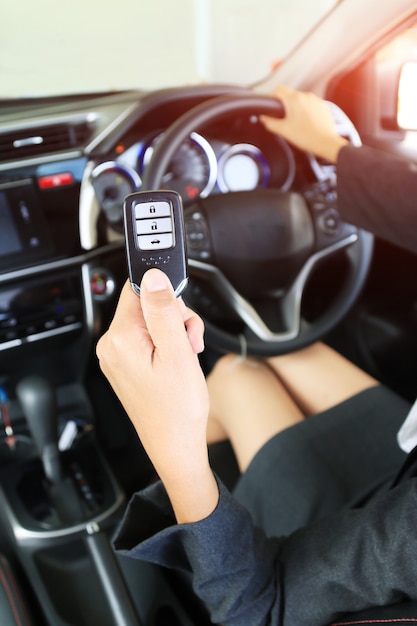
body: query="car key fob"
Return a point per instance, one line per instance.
(155, 236)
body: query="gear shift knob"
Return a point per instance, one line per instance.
(37, 398)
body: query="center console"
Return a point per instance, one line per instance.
(38, 308)
(59, 499)
(58, 503)
(63, 436)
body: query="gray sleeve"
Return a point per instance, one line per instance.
(378, 192)
(231, 562)
(341, 564)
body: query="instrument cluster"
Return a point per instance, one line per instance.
(201, 166)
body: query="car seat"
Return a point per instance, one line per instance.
(13, 608)
(402, 614)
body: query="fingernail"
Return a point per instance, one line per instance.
(154, 280)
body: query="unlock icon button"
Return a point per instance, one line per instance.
(153, 227)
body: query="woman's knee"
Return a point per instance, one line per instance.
(231, 370)
(234, 365)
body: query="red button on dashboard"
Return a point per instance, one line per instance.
(56, 180)
(98, 284)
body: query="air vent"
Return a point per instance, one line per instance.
(39, 140)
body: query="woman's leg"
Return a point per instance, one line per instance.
(318, 377)
(248, 406)
(251, 401)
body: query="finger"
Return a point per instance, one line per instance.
(128, 325)
(194, 326)
(195, 332)
(162, 313)
(128, 318)
(271, 123)
(283, 94)
(129, 306)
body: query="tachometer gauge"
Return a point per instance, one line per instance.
(193, 170)
(112, 182)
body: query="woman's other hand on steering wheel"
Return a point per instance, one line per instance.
(308, 123)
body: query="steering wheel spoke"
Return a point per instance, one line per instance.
(287, 304)
(234, 301)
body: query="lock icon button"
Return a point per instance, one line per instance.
(152, 210)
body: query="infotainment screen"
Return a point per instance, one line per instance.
(24, 233)
(9, 238)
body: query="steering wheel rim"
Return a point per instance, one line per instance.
(358, 245)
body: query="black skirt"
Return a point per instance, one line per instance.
(331, 461)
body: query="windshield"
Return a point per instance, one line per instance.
(53, 48)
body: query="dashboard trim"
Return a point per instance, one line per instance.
(47, 334)
(41, 160)
(52, 266)
(114, 125)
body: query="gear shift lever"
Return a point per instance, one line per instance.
(37, 398)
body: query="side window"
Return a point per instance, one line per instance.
(396, 66)
(380, 93)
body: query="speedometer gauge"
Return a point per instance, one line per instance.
(192, 172)
(242, 168)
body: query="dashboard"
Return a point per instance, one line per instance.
(65, 169)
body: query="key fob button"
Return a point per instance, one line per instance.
(147, 227)
(153, 210)
(156, 242)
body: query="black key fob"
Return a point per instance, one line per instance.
(155, 237)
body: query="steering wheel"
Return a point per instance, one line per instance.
(256, 250)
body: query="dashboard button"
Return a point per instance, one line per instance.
(98, 284)
(56, 180)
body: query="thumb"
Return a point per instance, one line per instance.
(161, 311)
